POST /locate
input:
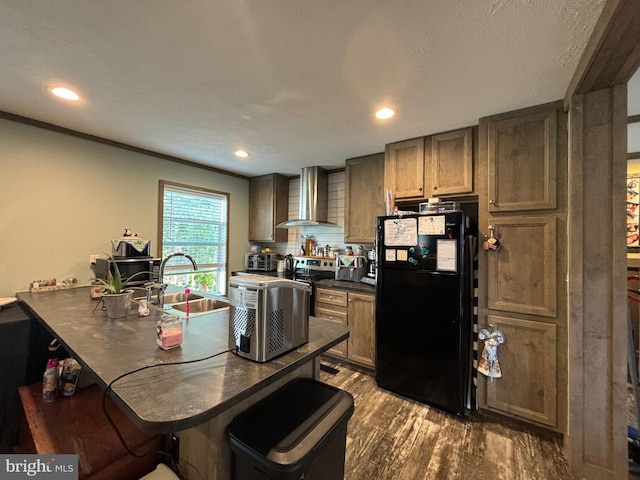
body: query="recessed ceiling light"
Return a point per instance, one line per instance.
(242, 154)
(385, 113)
(65, 93)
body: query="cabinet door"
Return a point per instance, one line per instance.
(522, 286)
(268, 206)
(450, 163)
(361, 319)
(364, 197)
(404, 168)
(528, 386)
(330, 312)
(522, 274)
(522, 161)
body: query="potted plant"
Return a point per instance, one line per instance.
(117, 293)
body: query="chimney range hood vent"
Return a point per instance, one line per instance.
(313, 201)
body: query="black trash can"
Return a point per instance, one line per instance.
(299, 431)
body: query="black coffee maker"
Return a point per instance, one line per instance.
(288, 264)
(371, 261)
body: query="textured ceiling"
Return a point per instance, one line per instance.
(293, 82)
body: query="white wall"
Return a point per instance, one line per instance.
(63, 198)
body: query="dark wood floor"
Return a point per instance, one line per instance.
(390, 437)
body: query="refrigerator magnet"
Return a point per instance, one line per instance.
(446, 258)
(402, 255)
(390, 254)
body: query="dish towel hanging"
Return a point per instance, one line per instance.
(488, 363)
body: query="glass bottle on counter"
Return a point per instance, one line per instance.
(169, 332)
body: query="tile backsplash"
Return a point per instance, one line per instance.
(323, 235)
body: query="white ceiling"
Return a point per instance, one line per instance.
(294, 82)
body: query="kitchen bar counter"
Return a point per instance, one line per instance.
(172, 397)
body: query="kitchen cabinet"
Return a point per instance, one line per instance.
(404, 168)
(432, 166)
(357, 310)
(449, 164)
(522, 161)
(522, 288)
(268, 206)
(528, 360)
(364, 197)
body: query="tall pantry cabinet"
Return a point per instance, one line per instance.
(522, 285)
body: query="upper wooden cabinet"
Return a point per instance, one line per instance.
(522, 161)
(449, 163)
(433, 166)
(268, 206)
(364, 197)
(404, 168)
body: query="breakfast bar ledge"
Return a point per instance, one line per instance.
(195, 400)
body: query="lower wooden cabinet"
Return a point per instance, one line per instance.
(528, 386)
(357, 310)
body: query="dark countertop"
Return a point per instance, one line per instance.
(357, 287)
(171, 397)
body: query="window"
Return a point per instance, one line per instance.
(194, 221)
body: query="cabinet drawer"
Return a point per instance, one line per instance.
(330, 313)
(332, 297)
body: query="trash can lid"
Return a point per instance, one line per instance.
(291, 422)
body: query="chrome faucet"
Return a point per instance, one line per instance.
(163, 286)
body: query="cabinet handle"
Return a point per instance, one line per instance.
(435, 187)
(330, 297)
(419, 188)
(492, 202)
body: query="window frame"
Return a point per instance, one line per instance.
(222, 286)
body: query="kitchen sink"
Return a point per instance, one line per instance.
(179, 297)
(201, 306)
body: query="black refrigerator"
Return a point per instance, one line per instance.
(424, 308)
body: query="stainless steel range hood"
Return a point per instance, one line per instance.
(313, 201)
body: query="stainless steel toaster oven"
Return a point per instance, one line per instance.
(268, 316)
(261, 262)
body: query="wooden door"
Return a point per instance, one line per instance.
(522, 275)
(522, 287)
(528, 386)
(364, 197)
(522, 161)
(361, 318)
(268, 206)
(404, 168)
(450, 163)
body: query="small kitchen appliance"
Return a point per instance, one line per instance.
(261, 262)
(350, 267)
(145, 269)
(268, 316)
(372, 264)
